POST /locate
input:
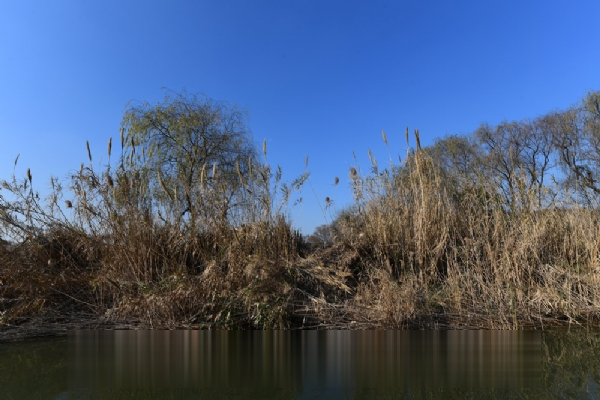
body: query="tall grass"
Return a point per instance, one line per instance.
(419, 247)
(434, 250)
(121, 250)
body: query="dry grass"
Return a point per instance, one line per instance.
(416, 250)
(121, 252)
(434, 252)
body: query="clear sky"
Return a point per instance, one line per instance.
(318, 78)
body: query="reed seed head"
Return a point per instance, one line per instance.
(122, 132)
(384, 137)
(132, 147)
(29, 175)
(417, 139)
(406, 135)
(306, 161)
(109, 146)
(328, 202)
(17, 159)
(336, 181)
(87, 144)
(203, 176)
(109, 181)
(69, 204)
(353, 171)
(239, 171)
(162, 185)
(265, 147)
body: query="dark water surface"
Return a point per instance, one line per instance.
(303, 365)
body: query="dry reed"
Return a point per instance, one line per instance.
(418, 248)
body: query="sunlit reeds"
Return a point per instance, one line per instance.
(430, 247)
(209, 244)
(148, 257)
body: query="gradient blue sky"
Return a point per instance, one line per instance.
(319, 78)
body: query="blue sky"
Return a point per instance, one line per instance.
(318, 78)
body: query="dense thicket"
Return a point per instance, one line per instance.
(497, 228)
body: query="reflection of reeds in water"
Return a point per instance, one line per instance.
(350, 360)
(257, 362)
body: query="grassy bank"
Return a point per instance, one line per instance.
(414, 252)
(422, 246)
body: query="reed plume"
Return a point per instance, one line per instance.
(203, 176)
(162, 185)
(87, 144)
(417, 139)
(239, 171)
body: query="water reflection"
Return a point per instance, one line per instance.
(300, 365)
(308, 359)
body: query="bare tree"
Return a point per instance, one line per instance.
(575, 136)
(322, 236)
(458, 155)
(517, 156)
(182, 145)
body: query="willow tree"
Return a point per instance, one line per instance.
(194, 152)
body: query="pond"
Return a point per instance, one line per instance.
(557, 363)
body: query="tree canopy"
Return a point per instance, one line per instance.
(183, 144)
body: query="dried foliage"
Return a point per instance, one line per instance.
(459, 235)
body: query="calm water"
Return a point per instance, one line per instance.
(304, 365)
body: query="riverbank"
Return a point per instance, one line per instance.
(463, 234)
(326, 289)
(38, 328)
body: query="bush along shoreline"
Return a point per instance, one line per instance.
(498, 229)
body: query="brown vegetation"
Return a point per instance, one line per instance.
(462, 234)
